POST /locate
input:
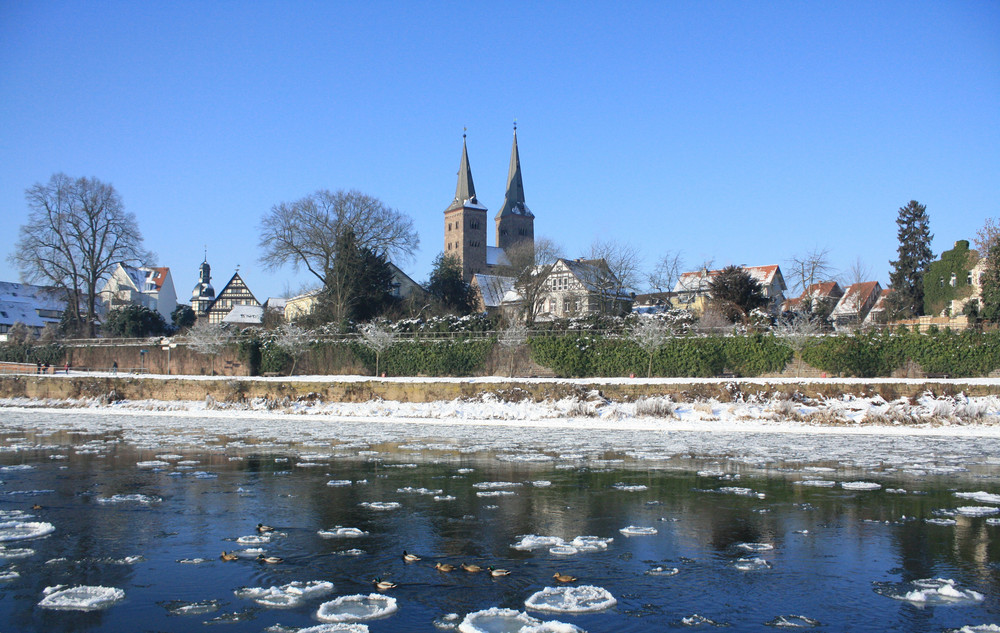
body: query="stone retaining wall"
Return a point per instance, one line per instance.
(239, 389)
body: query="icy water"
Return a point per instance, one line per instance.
(669, 531)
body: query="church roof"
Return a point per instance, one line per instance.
(465, 190)
(513, 202)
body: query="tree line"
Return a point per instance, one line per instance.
(78, 230)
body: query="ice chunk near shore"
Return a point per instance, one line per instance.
(635, 530)
(20, 530)
(980, 497)
(496, 620)
(860, 485)
(80, 598)
(579, 599)
(381, 506)
(343, 532)
(356, 608)
(929, 591)
(977, 511)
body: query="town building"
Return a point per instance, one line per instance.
(854, 306)
(150, 287)
(818, 299)
(693, 290)
(236, 298)
(34, 306)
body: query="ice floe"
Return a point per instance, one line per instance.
(356, 608)
(929, 592)
(80, 598)
(21, 530)
(381, 506)
(192, 608)
(338, 483)
(981, 497)
(751, 564)
(635, 530)
(335, 627)
(579, 599)
(977, 511)
(498, 620)
(755, 547)
(700, 620)
(793, 622)
(287, 596)
(816, 483)
(630, 487)
(860, 485)
(660, 570)
(343, 532)
(129, 498)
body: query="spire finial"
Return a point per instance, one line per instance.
(464, 130)
(515, 125)
(206, 253)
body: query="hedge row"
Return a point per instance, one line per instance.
(53, 353)
(880, 353)
(585, 356)
(461, 357)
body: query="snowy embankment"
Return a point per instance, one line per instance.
(764, 405)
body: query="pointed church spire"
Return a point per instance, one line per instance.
(465, 191)
(514, 199)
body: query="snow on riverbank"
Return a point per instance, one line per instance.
(928, 415)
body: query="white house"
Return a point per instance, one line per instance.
(151, 287)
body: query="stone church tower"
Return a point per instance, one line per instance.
(203, 294)
(465, 219)
(465, 223)
(515, 222)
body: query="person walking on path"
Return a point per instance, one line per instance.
(114, 368)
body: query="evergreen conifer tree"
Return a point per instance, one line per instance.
(907, 274)
(449, 288)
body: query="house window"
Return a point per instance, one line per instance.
(953, 280)
(941, 282)
(968, 278)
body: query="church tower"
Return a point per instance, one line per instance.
(514, 222)
(203, 294)
(465, 223)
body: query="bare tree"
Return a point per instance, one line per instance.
(77, 232)
(650, 333)
(987, 236)
(809, 268)
(305, 233)
(378, 338)
(858, 272)
(208, 339)
(625, 265)
(294, 341)
(529, 265)
(796, 332)
(512, 337)
(666, 272)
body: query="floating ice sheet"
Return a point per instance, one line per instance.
(977, 511)
(860, 485)
(579, 599)
(793, 622)
(497, 620)
(287, 596)
(381, 506)
(343, 532)
(981, 497)
(356, 608)
(20, 530)
(635, 530)
(929, 591)
(751, 564)
(81, 598)
(130, 498)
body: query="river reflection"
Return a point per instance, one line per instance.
(713, 541)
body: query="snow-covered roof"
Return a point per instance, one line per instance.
(594, 274)
(857, 299)
(32, 305)
(495, 256)
(245, 314)
(698, 281)
(492, 288)
(276, 303)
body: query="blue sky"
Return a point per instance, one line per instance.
(737, 132)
